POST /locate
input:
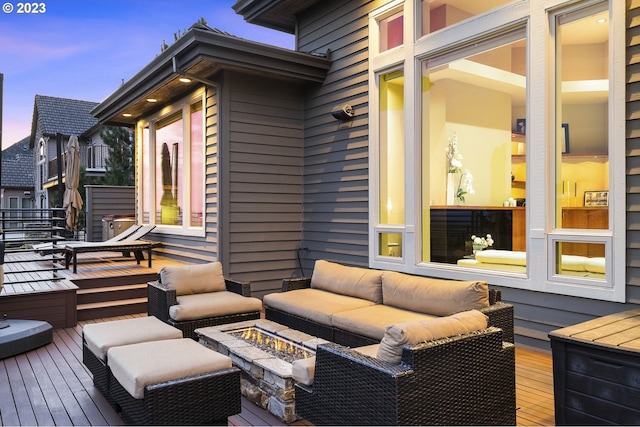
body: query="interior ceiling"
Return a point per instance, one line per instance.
(584, 31)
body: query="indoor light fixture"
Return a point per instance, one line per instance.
(185, 80)
(126, 115)
(152, 100)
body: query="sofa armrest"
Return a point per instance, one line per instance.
(160, 298)
(495, 295)
(501, 316)
(240, 288)
(295, 283)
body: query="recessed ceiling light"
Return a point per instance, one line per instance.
(126, 115)
(601, 20)
(184, 80)
(152, 100)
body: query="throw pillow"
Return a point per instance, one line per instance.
(411, 333)
(194, 279)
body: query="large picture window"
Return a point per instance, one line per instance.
(511, 133)
(172, 166)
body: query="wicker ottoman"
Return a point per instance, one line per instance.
(98, 338)
(173, 382)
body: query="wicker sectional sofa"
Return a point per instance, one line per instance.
(352, 306)
(467, 379)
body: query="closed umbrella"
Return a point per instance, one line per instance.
(72, 198)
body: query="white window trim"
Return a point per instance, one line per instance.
(183, 104)
(541, 237)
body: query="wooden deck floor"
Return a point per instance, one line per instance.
(50, 386)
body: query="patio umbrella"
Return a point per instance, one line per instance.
(72, 198)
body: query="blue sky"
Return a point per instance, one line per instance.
(83, 49)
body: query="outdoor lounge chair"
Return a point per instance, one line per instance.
(139, 230)
(196, 296)
(132, 243)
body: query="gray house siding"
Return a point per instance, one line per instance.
(336, 167)
(104, 200)
(263, 169)
(336, 170)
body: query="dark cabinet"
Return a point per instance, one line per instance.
(452, 228)
(596, 371)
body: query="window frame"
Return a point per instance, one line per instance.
(537, 17)
(148, 148)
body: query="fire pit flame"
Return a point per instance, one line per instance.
(277, 346)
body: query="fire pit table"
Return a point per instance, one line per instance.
(264, 351)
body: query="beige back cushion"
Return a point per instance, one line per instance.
(411, 333)
(352, 281)
(439, 297)
(194, 279)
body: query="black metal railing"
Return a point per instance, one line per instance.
(91, 157)
(24, 227)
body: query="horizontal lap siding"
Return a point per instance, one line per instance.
(336, 153)
(104, 200)
(336, 166)
(264, 194)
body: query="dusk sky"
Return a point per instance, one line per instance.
(83, 49)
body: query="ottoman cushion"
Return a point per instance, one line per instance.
(100, 337)
(139, 365)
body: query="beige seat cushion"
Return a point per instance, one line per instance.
(212, 304)
(498, 256)
(411, 333)
(372, 321)
(352, 281)
(136, 366)
(100, 337)
(439, 297)
(193, 279)
(314, 304)
(303, 370)
(595, 265)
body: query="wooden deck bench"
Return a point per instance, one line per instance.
(138, 247)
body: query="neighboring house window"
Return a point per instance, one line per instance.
(479, 130)
(172, 166)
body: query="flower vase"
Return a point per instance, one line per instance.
(476, 249)
(452, 187)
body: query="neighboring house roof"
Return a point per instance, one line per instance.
(200, 54)
(68, 117)
(17, 165)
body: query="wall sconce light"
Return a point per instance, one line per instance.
(343, 112)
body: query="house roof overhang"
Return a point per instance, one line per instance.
(199, 55)
(276, 14)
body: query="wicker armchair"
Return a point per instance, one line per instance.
(500, 315)
(463, 380)
(161, 297)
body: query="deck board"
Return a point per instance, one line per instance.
(51, 386)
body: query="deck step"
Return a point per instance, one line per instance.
(111, 293)
(112, 308)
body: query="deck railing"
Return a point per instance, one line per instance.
(23, 227)
(91, 157)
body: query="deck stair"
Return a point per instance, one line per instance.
(112, 296)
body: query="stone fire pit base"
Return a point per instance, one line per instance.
(266, 380)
